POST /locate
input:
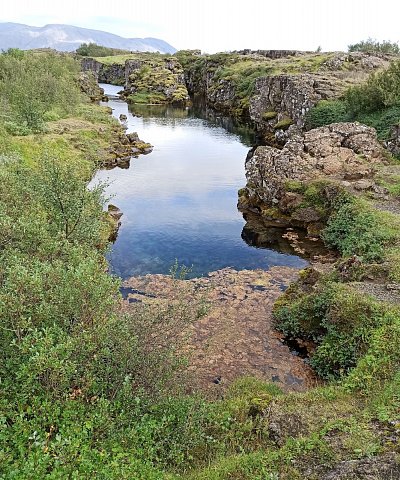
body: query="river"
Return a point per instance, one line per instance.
(179, 202)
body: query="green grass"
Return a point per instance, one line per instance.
(145, 56)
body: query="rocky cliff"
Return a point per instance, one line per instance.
(155, 79)
(113, 73)
(274, 89)
(295, 185)
(147, 78)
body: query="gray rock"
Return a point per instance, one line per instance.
(383, 467)
(342, 153)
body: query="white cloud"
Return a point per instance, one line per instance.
(217, 25)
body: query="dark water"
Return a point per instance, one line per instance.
(179, 202)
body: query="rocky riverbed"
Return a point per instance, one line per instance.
(235, 335)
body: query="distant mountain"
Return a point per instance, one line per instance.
(68, 38)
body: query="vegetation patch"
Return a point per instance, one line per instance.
(374, 103)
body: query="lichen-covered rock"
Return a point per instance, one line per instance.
(275, 88)
(289, 96)
(155, 80)
(341, 153)
(123, 148)
(113, 74)
(393, 144)
(88, 84)
(113, 218)
(381, 467)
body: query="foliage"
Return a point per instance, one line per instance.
(88, 392)
(374, 46)
(375, 103)
(33, 84)
(94, 50)
(356, 229)
(341, 321)
(381, 90)
(326, 112)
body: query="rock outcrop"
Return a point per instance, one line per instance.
(155, 79)
(282, 100)
(113, 74)
(341, 155)
(235, 337)
(88, 84)
(113, 218)
(124, 147)
(274, 88)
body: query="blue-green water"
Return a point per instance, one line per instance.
(179, 202)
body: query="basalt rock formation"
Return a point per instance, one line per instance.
(123, 148)
(153, 79)
(338, 156)
(88, 84)
(274, 89)
(113, 73)
(147, 78)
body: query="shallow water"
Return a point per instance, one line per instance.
(179, 202)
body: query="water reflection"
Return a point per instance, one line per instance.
(179, 202)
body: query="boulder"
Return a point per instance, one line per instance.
(393, 144)
(338, 154)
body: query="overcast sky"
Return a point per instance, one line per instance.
(219, 25)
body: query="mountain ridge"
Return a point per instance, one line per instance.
(68, 38)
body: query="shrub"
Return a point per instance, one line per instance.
(374, 46)
(355, 229)
(381, 90)
(326, 112)
(94, 50)
(34, 83)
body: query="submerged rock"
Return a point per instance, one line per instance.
(234, 335)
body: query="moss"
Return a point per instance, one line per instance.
(147, 98)
(269, 115)
(294, 186)
(283, 124)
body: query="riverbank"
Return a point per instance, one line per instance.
(235, 336)
(88, 392)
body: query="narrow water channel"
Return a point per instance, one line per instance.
(179, 202)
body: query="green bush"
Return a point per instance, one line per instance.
(356, 229)
(337, 318)
(374, 46)
(326, 112)
(381, 90)
(34, 83)
(94, 50)
(381, 120)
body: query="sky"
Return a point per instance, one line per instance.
(222, 25)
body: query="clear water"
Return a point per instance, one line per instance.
(179, 202)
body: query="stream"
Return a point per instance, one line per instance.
(179, 202)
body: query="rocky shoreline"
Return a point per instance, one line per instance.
(235, 336)
(296, 179)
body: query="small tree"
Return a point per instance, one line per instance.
(73, 209)
(374, 46)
